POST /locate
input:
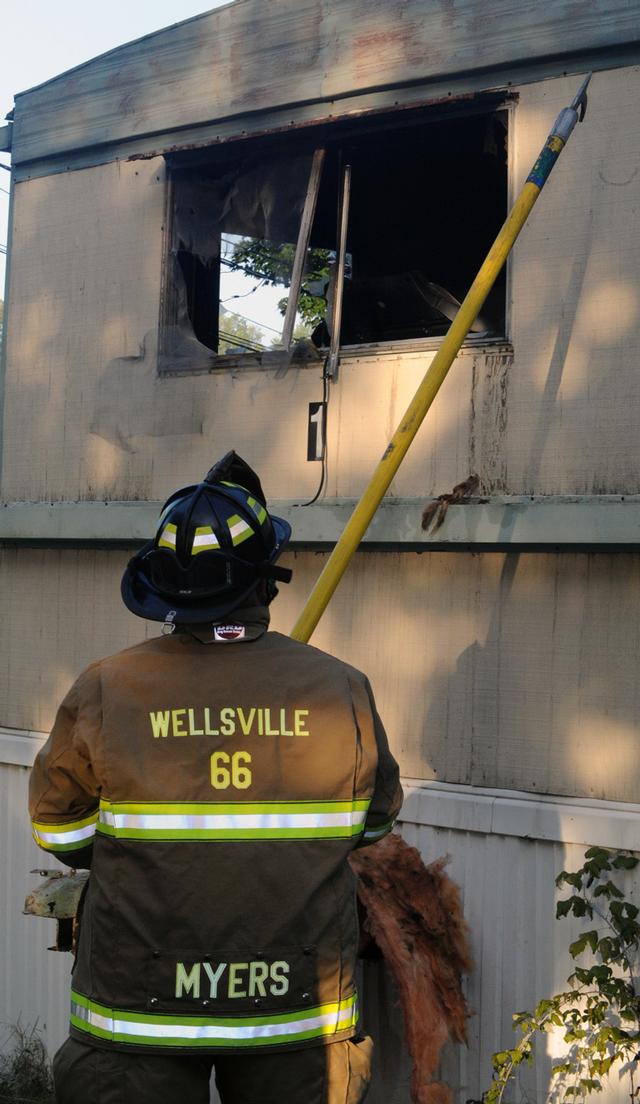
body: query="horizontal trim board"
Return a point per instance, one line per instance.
(274, 359)
(526, 522)
(18, 747)
(523, 815)
(323, 112)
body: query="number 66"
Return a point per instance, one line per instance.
(239, 776)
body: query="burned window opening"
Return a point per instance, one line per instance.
(427, 200)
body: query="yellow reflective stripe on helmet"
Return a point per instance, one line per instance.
(173, 1029)
(168, 537)
(257, 509)
(239, 529)
(65, 837)
(204, 540)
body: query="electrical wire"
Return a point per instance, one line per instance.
(244, 294)
(254, 321)
(326, 392)
(245, 343)
(250, 272)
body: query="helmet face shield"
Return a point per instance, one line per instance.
(209, 574)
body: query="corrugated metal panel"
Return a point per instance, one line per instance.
(251, 55)
(35, 982)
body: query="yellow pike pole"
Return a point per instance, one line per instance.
(395, 451)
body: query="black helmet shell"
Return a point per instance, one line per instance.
(214, 541)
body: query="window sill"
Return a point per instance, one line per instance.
(307, 356)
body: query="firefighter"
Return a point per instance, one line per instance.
(214, 779)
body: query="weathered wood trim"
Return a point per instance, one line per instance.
(222, 64)
(499, 523)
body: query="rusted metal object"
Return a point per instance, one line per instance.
(436, 511)
(58, 898)
(497, 92)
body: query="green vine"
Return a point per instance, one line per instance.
(600, 1011)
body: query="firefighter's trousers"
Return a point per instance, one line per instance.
(338, 1073)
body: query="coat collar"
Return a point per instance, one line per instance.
(240, 627)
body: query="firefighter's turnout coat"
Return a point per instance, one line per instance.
(216, 792)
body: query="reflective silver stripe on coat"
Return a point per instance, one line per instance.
(323, 1020)
(65, 837)
(236, 822)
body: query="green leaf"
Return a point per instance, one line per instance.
(591, 1084)
(608, 889)
(617, 915)
(597, 853)
(625, 862)
(563, 908)
(599, 973)
(578, 946)
(588, 939)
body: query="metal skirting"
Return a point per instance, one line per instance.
(505, 850)
(541, 523)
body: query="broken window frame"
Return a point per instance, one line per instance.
(302, 245)
(482, 104)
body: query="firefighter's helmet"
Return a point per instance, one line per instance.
(214, 543)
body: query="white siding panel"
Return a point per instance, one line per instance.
(508, 893)
(509, 899)
(35, 982)
(520, 954)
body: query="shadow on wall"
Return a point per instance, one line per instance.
(545, 698)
